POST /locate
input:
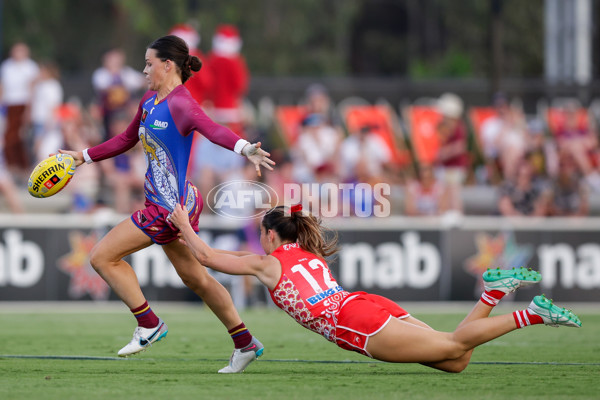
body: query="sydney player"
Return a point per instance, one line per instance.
(300, 283)
(165, 121)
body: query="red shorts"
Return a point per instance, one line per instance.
(152, 220)
(362, 315)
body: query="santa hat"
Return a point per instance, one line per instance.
(187, 33)
(226, 40)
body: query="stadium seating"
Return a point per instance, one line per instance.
(555, 118)
(288, 119)
(422, 121)
(383, 121)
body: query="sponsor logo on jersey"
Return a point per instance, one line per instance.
(317, 298)
(144, 115)
(159, 124)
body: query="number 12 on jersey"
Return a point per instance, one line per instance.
(325, 288)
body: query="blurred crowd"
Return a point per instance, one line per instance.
(536, 165)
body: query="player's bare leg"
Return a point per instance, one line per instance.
(196, 277)
(107, 260)
(401, 341)
(497, 284)
(218, 299)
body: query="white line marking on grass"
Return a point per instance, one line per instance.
(95, 358)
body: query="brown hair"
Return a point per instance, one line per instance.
(304, 228)
(174, 48)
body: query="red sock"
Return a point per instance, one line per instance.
(525, 318)
(241, 336)
(492, 297)
(145, 316)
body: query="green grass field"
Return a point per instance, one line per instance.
(533, 363)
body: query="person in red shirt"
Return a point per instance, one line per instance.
(229, 71)
(300, 283)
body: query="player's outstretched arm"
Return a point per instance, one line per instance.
(258, 156)
(219, 261)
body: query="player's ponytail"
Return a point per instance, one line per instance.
(300, 226)
(174, 48)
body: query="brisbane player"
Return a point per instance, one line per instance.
(166, 119)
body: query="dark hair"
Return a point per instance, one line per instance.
(304, 228)
(174, 48)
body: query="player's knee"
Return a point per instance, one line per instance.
(195, 280)
(456, 366)
(96, 259)
(99, 260)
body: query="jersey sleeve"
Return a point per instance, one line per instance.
(122, 142)
(189, 117)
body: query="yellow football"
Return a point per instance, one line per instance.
(51, 175)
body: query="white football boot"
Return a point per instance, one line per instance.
(241, 358)
(143, 338)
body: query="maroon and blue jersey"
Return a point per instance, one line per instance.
(165, 130)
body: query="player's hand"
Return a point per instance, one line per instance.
(179, 217)
(258, 156)
(77, 156)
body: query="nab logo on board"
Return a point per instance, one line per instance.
(389, 265)
(21, 261)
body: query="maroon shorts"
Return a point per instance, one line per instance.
(152, 220)
(362, 315)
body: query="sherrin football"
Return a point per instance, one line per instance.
(51, 175)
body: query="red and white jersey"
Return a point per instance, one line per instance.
(307, 291)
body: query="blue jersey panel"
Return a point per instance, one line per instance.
(167, 154)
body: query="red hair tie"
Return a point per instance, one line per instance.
(296, 208)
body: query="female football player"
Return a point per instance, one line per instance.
(165, 121)
(301, 284)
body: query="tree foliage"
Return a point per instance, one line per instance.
(415, 38)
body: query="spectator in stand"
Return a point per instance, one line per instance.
(453, 156)
(46, 99)
(228, 67)
(505, 139)
(315, 151)
(524, 194)
(580, 141)
(17, 75)
(318, 101)
(542, 151)
(364, 157)
(569, 194)
(7, 185)
(426, 196)
(114, 84)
